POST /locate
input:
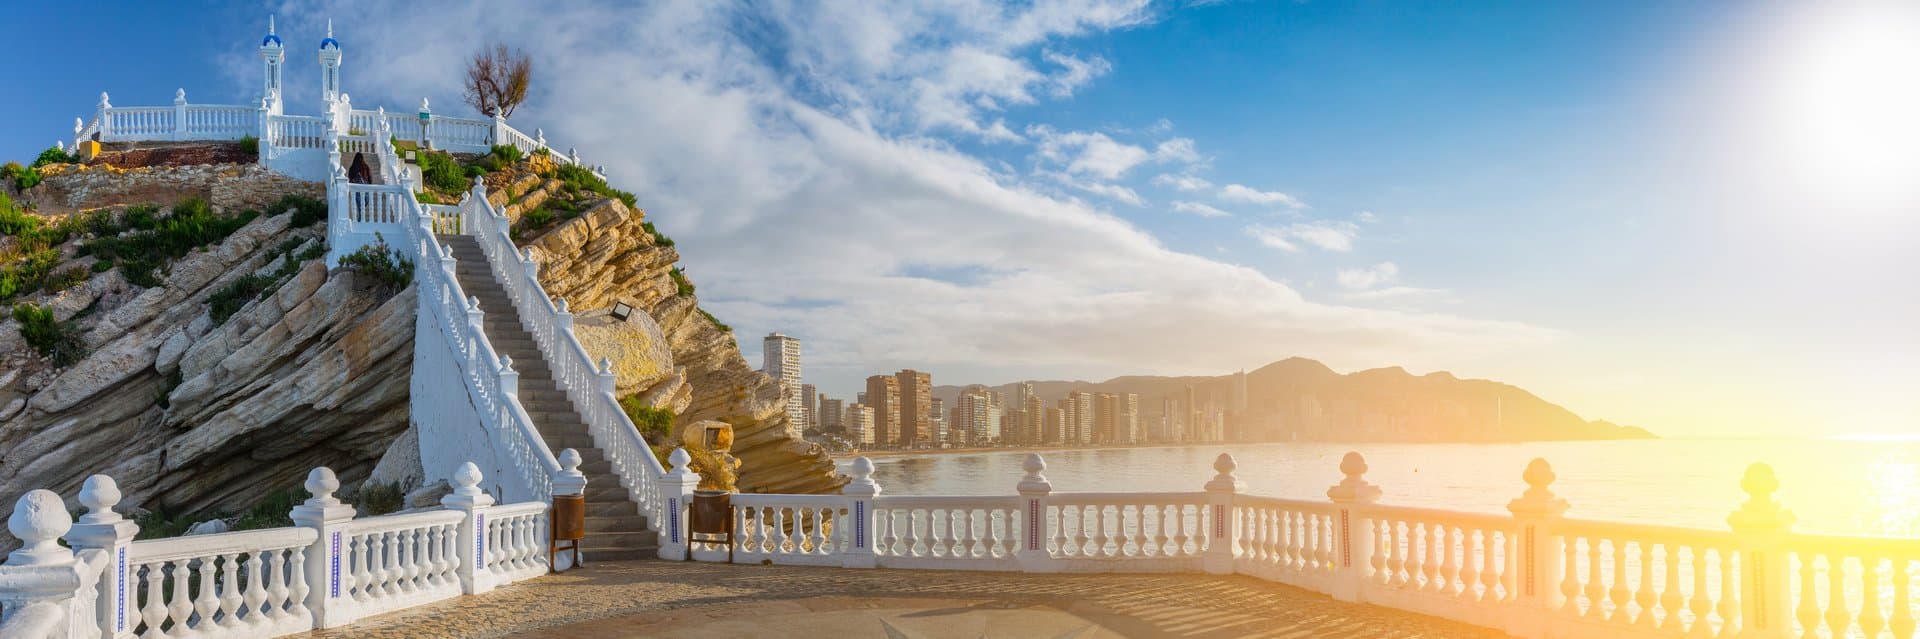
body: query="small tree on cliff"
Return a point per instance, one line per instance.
(497, 80)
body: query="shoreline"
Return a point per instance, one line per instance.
(877, 454)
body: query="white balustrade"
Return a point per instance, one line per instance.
(1285, 540)
(295, 132)
(972, 533)
(211, 585)
(217, 122)
(138, 123)
(1155, 531)
(399, 561)
(517, 541)
(788, 529)
(461, 135)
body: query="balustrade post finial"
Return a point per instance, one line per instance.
(1762, 526)
(38, 521)
(100, 494)
(606, 366)
(1034, 483)
(466, 488)
(1354, 488)
(79, 124)
(321, 484)
(104, 104)
(509, 378)
(569, 480)
(1760, 512)
(681, 461)
(539, 134)
(560, 304)
(180, 96)
(1223, 479)
(1539, 499)
(473, 303)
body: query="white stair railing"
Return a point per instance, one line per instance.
(589, 387)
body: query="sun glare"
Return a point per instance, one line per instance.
(1844, 102)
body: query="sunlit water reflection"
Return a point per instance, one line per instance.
(1833, 486)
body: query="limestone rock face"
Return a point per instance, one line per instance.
(189, 416)
(605, 256)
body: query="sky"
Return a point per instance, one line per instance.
(1694, 217)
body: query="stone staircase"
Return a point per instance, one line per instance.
(615, 529)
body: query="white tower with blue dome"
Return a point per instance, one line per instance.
(329, 67)
(272, 57)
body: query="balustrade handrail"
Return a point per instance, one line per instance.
(1458, 517)
(385, 523)
(1302, 505)
(193, 546)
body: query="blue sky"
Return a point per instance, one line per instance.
(1583, 199)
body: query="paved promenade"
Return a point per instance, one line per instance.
(673, 599)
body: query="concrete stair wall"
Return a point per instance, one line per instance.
(615, 527)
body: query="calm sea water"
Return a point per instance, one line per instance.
(1833, 486)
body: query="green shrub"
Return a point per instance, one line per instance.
(681, 285)
(427, 197)
(659, 239)
(145, 217)
(275, 510)
(27, 273)
(161, 524)
(23, 177)
(55, 155)
(373, 499)
(390, 270)
(223, 303)
(64, 279)
(442, 172)
(655, 424)
(716, 321)
(102, 266)
(58, 341)
(505, 152)
(306, 210)
(158, 239)
(16, 221)
(579, 178)
(536, 218)
(250, 145)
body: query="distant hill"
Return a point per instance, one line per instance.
(1299, 399)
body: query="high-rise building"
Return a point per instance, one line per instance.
(1053, 425)
(1079, 416)
(883, 395)
(810, 404)
(1238, 403)
(833, 413)
(1033, 429)
(782, 357)
(939, 415)
(916, 406)
(1126, 421)
(859, 423)
(1023, 392)
(1105, 406)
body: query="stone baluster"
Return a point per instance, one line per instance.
(1540, 577)
(103, 529)
(676, 491)
(476, 326)
(1354, 527)
(1035, 490)
(180, 114)
(334, 521)
(1761, 527)
(861, 493)
(1219, 553)
(471, 552)
(40, 582)
(509, 378)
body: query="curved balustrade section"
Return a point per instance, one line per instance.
(1285, 540)
(1145, 531)
(589, 387)
(400, 561)
(210, 585)
(1441, 562)
(517, 541)
(965, 533)
(803, 530)
(1849, 587)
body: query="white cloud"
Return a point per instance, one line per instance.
(810, 191)
(1366, 278)
(1083, 153)
(1330, 235)
(1187, 183)
(1366, 217)
(1196, 208)
(1250, 195)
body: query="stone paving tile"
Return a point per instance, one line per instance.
(638, 598)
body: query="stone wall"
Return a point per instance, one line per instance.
(72, 187)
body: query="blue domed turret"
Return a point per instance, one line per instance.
(329, 43)
(271, 40)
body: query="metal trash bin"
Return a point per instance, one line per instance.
(710, 519)
(567, 522)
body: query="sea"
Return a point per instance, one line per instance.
(1833, 486)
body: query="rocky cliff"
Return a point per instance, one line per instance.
(191, 414)
(598, 252)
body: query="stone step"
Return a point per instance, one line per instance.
(615, 524)
(581, 441)
(603, 467)
(611, 509)
(621, 540)
(593, 555)
(598, 491)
